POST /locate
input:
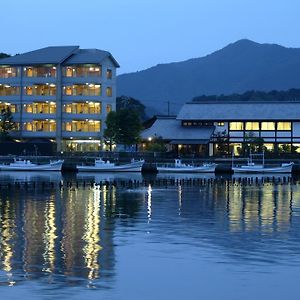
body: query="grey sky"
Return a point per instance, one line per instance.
(143, 33)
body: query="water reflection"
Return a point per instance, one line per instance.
(56, 232)
(70, 235)
(102, 177)
(20, 176)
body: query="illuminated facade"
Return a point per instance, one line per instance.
(222, 127)
(62, 94)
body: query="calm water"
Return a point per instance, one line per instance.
(213, 242)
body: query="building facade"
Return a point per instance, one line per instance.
(62, 94)
(222, 127)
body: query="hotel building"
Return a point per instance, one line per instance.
(204, 127)
(62, 94)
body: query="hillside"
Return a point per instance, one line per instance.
(239, 67)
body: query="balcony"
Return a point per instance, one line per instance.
(38, 134)
(82, 110)
(82, 71)
(10, 80)
(10, 75)
(88, 90)
(82, 128)
(8, 91)
(40, 110)
(39, 72)
(39, 80)
(81, 134)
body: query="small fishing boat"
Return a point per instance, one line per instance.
(106, 166)
(180, 167)
(27, 165)
(252, 167)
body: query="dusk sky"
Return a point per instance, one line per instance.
(143, 33)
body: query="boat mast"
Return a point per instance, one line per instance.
(250, 157)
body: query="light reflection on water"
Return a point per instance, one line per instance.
(106, 239)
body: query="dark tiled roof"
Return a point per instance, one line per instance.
(59, 54)
(89, 56)
(48, 55)
(237, 110)
(171, 129)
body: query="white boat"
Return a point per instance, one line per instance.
(106, 166)
(252, 167)
(27, 165)
(179, 167)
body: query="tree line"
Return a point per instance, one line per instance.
(289, 95)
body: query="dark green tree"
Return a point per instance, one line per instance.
(221, 140)
(124, 102)
(123, 127)
(293, 94)
(111, 133)
(130, 127)
(6, 123)
(157, 144)
(4, 55)
(254, 143)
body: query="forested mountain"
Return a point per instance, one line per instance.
(241, 66)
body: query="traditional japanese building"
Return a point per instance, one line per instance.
(211, 127)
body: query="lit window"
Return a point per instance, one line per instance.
(40, 125)
(236, 126)
(29, 72)
(40, 108)
(6, 105)
(108, 108)
(68, 90)
(28, 91)
(83, 126)
(28, 108)
(109, 74)
(8, 72)
(287, 126)
(267, 125)
(252, 125)
(284, 148)
(68, 126)
(82, 71)
(28, 126)
(269, 147)
(236, 148)
(296, 148)
(42, 71)
(108, 91)
(221, 124)
(69, 71)
(40, 90)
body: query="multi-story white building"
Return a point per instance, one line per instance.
(60, 93)
(205, 127)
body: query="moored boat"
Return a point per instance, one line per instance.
(27, 165)
(106, 166)
(252, 167)
(180, 167)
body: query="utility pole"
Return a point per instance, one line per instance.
(168, 102)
